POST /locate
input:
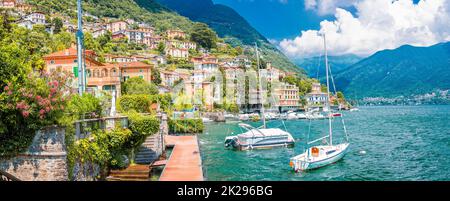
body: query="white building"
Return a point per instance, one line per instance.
(177, 52)
(316, 98)
(36, 18)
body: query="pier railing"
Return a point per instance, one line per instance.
(4, 176)
(84, 128)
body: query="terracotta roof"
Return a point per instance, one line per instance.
(72, 51)
(134, 64)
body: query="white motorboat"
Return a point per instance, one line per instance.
(259, 138)
(319, 156)
(315, 116)
(354, 109)
(263, 137)
(292, 116)
(206, 120)
(301, 116)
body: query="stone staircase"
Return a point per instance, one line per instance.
(149, 151)
(132, 173)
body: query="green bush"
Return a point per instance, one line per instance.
(137, 85)
(102, 148)
(142, 127)
(142, 103)
(186, 126)
(138, 103)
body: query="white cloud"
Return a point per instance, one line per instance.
(324, 7)
(378, 25)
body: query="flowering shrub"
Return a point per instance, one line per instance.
(27, 106)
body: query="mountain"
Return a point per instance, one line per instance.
(230, 25)
(404, 71)
(315, 66)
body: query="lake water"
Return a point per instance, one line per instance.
(400, 143)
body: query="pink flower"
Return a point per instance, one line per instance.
(62, 107)
(47, 109)
(9, 92)
(25, 114)
(41, 112)
(52, 90)
(38, 97)
(6, 88)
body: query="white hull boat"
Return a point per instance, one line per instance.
(314, 116)
(256, 138)
(319, 156)
(259, 138)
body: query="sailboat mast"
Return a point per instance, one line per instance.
(260, 87)
(328, 90)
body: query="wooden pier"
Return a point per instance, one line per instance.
(185, 162)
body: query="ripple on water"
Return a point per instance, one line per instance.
(401, 143)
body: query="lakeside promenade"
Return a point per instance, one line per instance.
(185, 162)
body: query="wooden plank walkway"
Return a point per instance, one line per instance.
(185, 162)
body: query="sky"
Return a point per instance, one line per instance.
(360, 27)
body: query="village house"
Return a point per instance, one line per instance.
(23, 7)
(206, 63)
(147, 29)
(271, 74)
(28, 24)
(201, 93)
(8, 4)
(175, 34)
(152, 42)
(99, 76)
(110, 58)
(118, 36)
(316, 98)
(169, 78)
(117, 26)
(99, 32)
(138, 36)
(133, 69)
(177, 52)
(181, 44)
(36, 18)
(235, 89)
(288, 97)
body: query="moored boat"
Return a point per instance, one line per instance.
(320, 156)
(256, 138)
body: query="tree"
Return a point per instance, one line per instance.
(137, 85)
(204, 36)
(57, 25)
(156, 76)
(161, 48)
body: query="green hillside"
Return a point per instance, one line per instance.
(231, 26)
(140, 10)
(315, 66)
(404, 71)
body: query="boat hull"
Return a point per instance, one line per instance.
(303, 164)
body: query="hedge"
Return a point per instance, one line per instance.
(186, 126)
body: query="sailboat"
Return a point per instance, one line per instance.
(261, 137)
(319, 156)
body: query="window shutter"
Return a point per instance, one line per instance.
(75, 71)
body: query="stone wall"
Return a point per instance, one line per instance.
(45, 159)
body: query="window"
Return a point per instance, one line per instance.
(52, 62)
(141, 76)
(75, 61)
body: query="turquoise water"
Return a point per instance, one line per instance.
(400, 143)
